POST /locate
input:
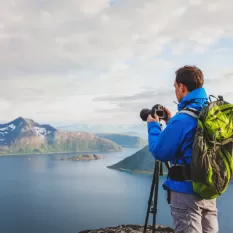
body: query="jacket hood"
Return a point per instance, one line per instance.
(195, 99)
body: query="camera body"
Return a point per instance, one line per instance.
(156, 109)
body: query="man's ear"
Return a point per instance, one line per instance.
(184, 88)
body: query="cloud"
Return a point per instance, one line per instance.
(133, 104)
(139, 96)
(221, 85)
(59, 57)
(57, 36)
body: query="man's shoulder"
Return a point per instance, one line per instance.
(182, 122)
(182, 118)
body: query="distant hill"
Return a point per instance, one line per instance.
(142, 162)
(134, 129)
(26, 136)
(124, 140)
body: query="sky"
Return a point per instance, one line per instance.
(102, 61)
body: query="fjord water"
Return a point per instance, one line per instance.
(42, 193)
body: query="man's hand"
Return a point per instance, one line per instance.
(169, 114)
(151, 119)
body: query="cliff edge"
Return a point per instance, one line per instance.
(131, 229)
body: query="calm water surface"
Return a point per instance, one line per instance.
(42, 194)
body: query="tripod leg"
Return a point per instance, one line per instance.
(161, 169)
(150, 199)
(158, 164)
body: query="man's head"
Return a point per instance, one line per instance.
(188, 78)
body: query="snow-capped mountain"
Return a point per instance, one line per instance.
(21, 128)
(27, 136)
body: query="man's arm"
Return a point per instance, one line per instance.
(164, 144)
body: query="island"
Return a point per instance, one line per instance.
(142, 162)
(85, 157)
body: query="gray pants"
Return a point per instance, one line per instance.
(192, 214)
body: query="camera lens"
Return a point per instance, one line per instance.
(144, 114)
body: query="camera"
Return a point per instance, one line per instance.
(156, 109)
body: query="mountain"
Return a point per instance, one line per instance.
(124, 140)
(27, 136)
(140, 162)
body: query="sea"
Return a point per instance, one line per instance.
(45, 194)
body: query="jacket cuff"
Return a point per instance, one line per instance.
(153, 124)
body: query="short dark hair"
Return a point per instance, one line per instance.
(191, 76)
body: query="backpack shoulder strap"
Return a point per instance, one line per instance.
(190, 111)
(194, 113)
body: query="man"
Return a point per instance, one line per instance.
(190, 213)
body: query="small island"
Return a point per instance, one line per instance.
(85, 157)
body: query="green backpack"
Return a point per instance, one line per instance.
(212, 151)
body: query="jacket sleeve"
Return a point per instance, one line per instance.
(165, 144)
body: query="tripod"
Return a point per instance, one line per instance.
(158, 171)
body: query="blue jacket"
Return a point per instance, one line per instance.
(177, 138)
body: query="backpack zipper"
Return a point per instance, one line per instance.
(229, 162)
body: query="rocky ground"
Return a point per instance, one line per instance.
(130, 229)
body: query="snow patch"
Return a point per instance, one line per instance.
(12, 127)
(7, 129)
(3, 129)
(40, 131)
(3, 133)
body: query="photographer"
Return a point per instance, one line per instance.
(190, 213)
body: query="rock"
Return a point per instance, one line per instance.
(131, 229)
